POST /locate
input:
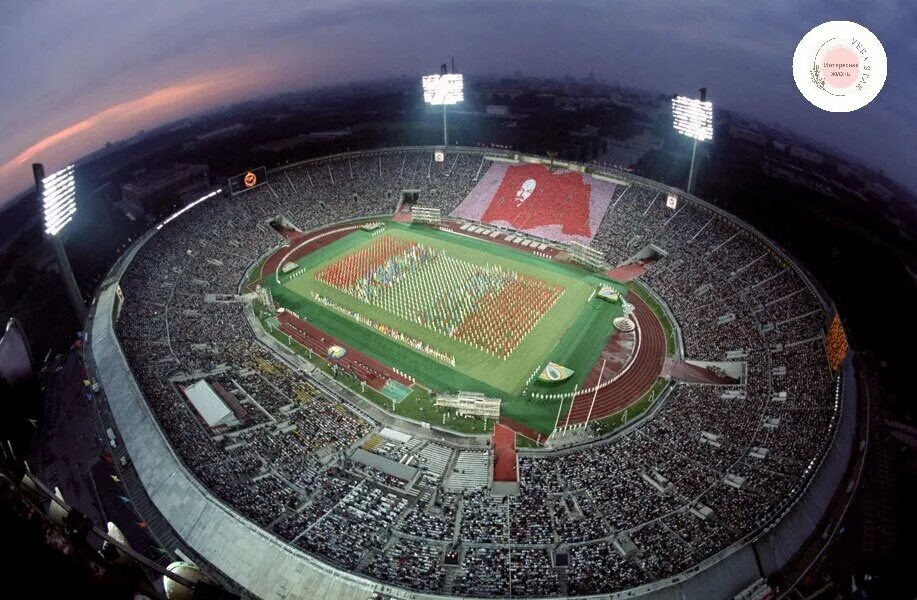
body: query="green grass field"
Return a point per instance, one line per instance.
(572, 332)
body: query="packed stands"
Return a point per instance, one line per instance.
(622, 512)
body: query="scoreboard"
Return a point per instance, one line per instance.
(248, 180)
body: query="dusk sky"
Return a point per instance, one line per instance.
(79, 73)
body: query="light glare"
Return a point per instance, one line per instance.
(693, 118)
(176, 214)
(447, 88)
(58, 197)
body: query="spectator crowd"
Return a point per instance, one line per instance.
(592, 519)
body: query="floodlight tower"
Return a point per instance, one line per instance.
(58, 205)
(443, 89)
(693, 118)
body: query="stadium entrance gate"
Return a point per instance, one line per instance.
(408, 199)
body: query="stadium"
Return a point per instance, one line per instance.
(417, 373)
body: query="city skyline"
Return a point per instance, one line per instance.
(100, 76)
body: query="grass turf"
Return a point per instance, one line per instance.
(418, 405)
(573, 332)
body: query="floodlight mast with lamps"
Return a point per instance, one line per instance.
(57, 194)
(443, 89)
(693, 118)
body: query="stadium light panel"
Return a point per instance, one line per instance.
(443, 89)
(693, 118)
(56, 221)
(58, 196)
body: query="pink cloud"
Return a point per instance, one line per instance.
(121, 120)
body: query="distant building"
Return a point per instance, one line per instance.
(330, 134)
(586, 131)
(574, 103)
(223, 132)
(806, 155)
(880, 191)
(748, 135)
(846, 171)
(545, 99)
(566, 103)
(159, 188)
(215, 135)
(788, 171)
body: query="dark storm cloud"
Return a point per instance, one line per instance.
(80, 73)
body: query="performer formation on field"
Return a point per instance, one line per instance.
(486, 306)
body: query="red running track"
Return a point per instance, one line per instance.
(521, 429)
(374, 373)
(636, 381)
(504, 441)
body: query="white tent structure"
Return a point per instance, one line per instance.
(209, 405)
